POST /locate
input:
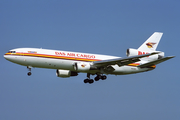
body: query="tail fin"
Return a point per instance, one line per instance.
(151, 43)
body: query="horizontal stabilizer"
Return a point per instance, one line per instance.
(156, 62)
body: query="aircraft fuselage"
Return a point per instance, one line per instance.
(54, 59)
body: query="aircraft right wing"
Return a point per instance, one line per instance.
(122, 61)
(155, 62)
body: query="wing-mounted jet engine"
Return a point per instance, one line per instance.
(65, 73)
(84, 66)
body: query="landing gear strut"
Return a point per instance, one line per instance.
(29, 69)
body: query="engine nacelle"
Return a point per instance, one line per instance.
(134, 52)
(65, 73)
(83, 66)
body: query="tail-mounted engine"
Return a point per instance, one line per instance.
(134, 52)
(65, 73)
(131, 52)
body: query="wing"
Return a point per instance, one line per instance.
(156, 62)
(121, 61)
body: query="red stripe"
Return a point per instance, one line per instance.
(51, 56)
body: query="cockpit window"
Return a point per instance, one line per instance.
(12, 52)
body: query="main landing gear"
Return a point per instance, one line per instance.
(29, 69)
(103, 77)
(97, 78)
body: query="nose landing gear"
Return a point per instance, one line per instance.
(29, 69)
(29, 73)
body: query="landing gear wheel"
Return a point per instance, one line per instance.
(91, 81)
(29, 73)
(96, 79)
(103, 77)
(86, 80)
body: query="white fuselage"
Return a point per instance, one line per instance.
(55, 59)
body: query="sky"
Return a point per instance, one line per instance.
(106, 27)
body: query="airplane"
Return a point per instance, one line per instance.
(68, 64)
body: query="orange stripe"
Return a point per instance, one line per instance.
(133, 64)
(65, 57)
(136, 64)
(153, 66)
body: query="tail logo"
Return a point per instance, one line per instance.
(150, 44)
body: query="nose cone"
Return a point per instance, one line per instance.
(9, 57)
(12, 58)
(6, 56)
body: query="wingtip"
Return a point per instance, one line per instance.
(159, 32)
(172, 56)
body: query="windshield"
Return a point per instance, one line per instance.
(12, 52)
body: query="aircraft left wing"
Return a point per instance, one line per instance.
(122, 61)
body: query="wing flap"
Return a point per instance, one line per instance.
(155, 62)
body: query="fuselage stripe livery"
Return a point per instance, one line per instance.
(63, 57)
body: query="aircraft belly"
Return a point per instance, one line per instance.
(44, 62)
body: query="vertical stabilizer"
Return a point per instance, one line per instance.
(151, 43)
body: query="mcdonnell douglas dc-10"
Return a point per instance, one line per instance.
(68, 64)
